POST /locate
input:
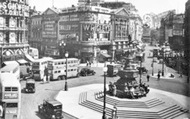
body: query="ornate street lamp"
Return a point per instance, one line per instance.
(66, 56)
(104, 108)
(62, 44)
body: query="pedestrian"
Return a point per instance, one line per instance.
(158, 76)
(87, 63)
(45, 74)
(114, 90)
(90, 63)
(181, 76)
(148, 77)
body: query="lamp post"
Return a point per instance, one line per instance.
(104, 108)
(66, 56)
(152, 67)
(163, 62)
(140, 71)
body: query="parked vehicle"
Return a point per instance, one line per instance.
(142, 69)
(51, 109)
(30, 86)
(86, 72)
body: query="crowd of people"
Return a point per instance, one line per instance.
(131, 90)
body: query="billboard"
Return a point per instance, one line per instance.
(69, 27)
(49, 29)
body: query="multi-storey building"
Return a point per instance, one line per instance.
(13, 29)
(87, 32)
(187, 36)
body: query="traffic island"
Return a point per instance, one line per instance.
(86, 102)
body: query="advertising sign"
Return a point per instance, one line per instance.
(49, 29)
(69, 27)
(11, 96)
(14, 9)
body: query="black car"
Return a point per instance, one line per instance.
(30, 86)
(142, 69)
(86, 72)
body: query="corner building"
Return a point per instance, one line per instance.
(13, 29)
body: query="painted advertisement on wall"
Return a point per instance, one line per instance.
(14, 8)
(49, 29)
(69, 27)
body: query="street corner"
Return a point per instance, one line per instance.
(166, 76)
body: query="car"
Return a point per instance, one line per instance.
(142, 69)
(86, 72)
(30, 86)
(51, 109)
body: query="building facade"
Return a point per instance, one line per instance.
(187, 36)
(88, 32)
(13, 29)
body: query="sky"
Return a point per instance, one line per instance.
(143, 6)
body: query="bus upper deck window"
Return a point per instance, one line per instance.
(7, 88)
(14, 89)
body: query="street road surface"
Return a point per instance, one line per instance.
(30, 102)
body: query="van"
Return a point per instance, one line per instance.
(25, 67)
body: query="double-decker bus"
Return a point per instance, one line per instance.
(11, 67)
(10, 95)
(38, 67)
(57, 68)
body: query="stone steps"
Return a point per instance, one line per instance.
(169, 112)
(133, 104)
(172, 112)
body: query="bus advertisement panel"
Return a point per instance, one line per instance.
(57, 68)
(10, 95)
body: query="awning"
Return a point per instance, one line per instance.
(29, 58)
(105, 55)
(22, 61)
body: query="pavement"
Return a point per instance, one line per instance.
(71, 106)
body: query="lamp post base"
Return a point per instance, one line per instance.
(66, 87)
(162, 73)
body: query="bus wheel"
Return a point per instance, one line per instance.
(59, 78)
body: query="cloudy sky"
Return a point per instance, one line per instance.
(143, 6)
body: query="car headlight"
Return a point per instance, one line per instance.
(53, 116)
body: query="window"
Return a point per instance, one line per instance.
(55, 72)
(14, 89)
(7, 88)
(59, 71)
(12, 104)
(11, 89)
(71, 69)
